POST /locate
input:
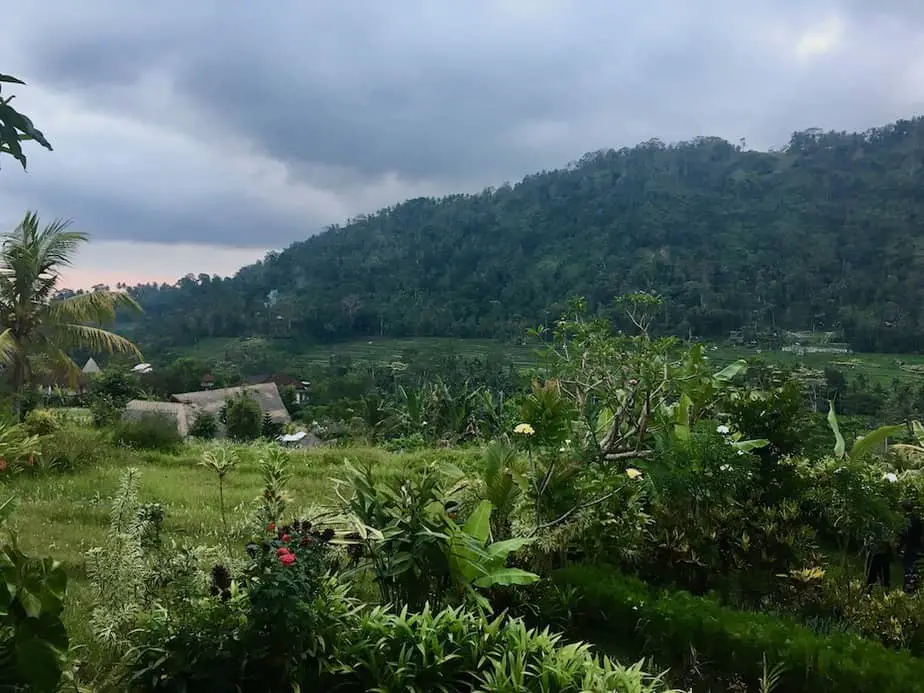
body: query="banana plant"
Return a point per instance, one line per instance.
(911, 455)
(476, 562)
(862, 445)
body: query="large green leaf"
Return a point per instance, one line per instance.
(731, 371)
(478, 524)
(867, 443)
(682, 417)
(40, 645)
(507, 576)
(502, 548)
(839, 445)
(918, 431)
(748, 445)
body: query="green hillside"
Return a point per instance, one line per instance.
(823, 233)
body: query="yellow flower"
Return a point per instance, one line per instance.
(633, 473)
(524, 429)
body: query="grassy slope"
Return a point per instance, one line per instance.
(63, 516)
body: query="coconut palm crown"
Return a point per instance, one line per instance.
(37, 329)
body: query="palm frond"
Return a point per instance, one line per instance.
(96, 307)
(59, 363)
(9, 349)
(96, 339)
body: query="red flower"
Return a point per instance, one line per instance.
(271, 526)
(282, 551)
(287, 558)
(284, 538)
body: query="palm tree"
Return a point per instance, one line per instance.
(38, 329)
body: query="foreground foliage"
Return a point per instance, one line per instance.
(33, 640)
(721, 644)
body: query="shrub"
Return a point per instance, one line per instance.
(204, 426)
(151, 431)
(669, 625)
(72, 447)
(270, 429)
(41, 422)
(33, 640)
(18, 450)
(243, 418)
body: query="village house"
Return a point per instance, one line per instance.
(282, 380)
(186, 406)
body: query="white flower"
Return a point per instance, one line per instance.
(633, 473)
(725, 468)
(890, 477)
(524, 429)
(723, 429)
(741, 452)
(568, 442)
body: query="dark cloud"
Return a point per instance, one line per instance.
(361, 104)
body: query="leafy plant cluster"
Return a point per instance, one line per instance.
(280, 616)
(33, 639)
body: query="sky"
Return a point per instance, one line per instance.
(195, 136)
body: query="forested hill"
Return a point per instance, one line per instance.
(827, 231)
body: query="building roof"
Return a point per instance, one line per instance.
(91, 367)
(181, 413)
(266, 394)
(281, 380)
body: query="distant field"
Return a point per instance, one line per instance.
(381, 350)
(881, 368)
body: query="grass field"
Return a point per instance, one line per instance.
(880, 368)
(63, 516)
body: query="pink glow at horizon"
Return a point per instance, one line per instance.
(75, 278)
(113, 262)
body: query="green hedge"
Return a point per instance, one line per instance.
(640, 620)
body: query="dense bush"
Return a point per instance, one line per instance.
(710, 527)
(150, 431)
(243, 418)
(41, 422)
(204, 426)
(73, 447)
(670, 625)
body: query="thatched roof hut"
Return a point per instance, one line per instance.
(266, 395)
(139, 408)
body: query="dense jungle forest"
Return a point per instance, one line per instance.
(821, 233)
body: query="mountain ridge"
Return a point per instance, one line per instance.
(824, 232)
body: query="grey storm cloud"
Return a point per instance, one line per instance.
(292, 115)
